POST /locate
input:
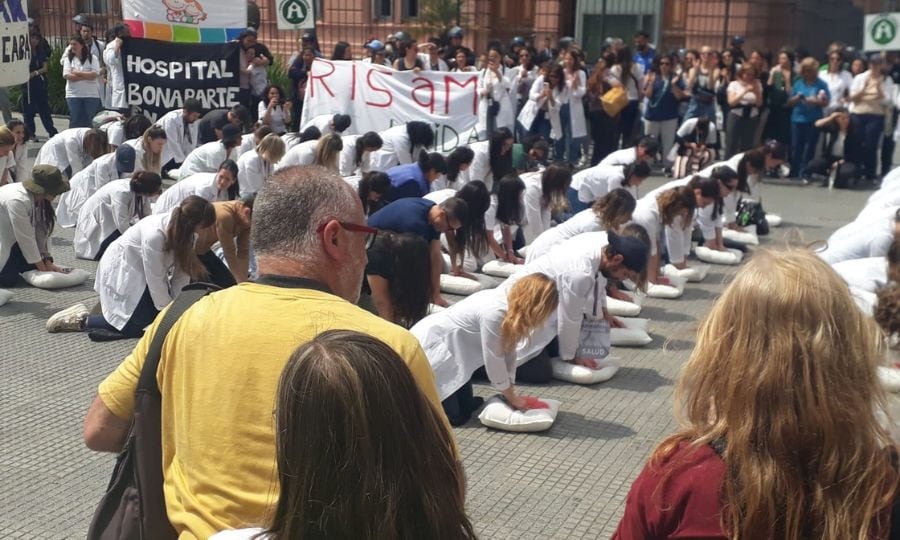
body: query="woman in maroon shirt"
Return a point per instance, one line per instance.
(779, 408)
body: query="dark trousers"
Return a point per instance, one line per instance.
(740, 133)
(626, 124)
(560, 145)
(804, 137)
(219, 274)
(38, 104)
(15, 265)
(144, 313)
(109, 240)
(870, 128)
(460, 405)
(541, 126)
(603, 133)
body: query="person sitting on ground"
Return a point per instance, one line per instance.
(219, 186)
(398, 277)
(229, 263)
(838, 166)
(828, 471)
(255, 167)
(109, 212)
(696, 146)
(26, 223)
(335, 376)
(103, 170)
(275, 110)
(415, 179)
(402, 144)
(484, 329)
(309, 236)
(645, 150)
(211, 127)
(142, 271)
(427, 220)
(208, 157)
(72, 150)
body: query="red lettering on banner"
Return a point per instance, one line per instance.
(374, 88)
(448, 80)
(353, 82)
(313, 77)
(429, 86)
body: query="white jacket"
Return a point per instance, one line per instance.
(595, 182)
(677, 235)
(582, 222)
(178, 143)
(537, 214)
(136, 261)
(204, 158)
(200, 184)
(322, 122)
(491, 87)
(110, 209)
(480, 169)
(576, 105)
(17, 225)
(302, 154)
(705, 221)
(574, 266)
(253, 172)
(464, 337)
(84, 184)
(65, 149)
(115, 77)
(623, 157)
(869, 236)
(394, 151)
(347, 162)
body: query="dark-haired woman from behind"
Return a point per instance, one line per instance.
(357, 151)
(415, 179)
(398, 277)
(468, 245)
(371, 188)
(492, 158)
(344, 464)
(402, 144)
(142, 272)
(458, 163)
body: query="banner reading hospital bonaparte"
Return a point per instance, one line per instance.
(15, 48)
(377, 98)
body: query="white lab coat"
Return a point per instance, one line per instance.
(623, 157)
(464, 337)
(347, 161)
(115, 133)
(134, 262)
(17, 225)
(248, 143)
(110, 209)
(537, 214)
(480, 169)
(869, 236)
(178, 143)
(395, 150)
(576, 105)
(204, 158)
(582, 222)
(115, 76)
(705, 221)
(84, 184)
(497, 88)
(864, 277)
(200, 184)
(65, 149)
(677, 235)
(253, 172)
(302, 154)
(322, 122)
(575, 267)
(17, 163)
(596, 182)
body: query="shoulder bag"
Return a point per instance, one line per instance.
(595, 340)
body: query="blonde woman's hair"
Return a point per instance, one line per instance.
(328, 151)
(152, 162)
(530, 301)
(271, 148)
(784, 373)
(6, 136)
(809, 64)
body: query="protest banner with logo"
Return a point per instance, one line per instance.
(881, 32)
(377, 98)
(186, 21)
(160, 76)
(15, 47)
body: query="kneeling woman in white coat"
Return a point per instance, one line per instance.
(255, 167)
(219, 186)
(545, 194)
(142, 272)
(484, 329)
(73, 149)
(103, 170)
(591, 184)
(110, 211)
(401, 145)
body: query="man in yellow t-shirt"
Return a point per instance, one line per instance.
(221, 362)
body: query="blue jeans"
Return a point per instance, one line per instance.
(541, 126)
(804, 137)
(144, 313)
(82, 111)
(575, 205)
(870, 128)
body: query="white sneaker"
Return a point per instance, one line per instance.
(69, 320)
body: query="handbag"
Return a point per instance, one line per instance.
(134, 504)
(614, 100)
(751, 213)
(595, 340)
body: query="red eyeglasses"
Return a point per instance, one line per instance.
(370, 232)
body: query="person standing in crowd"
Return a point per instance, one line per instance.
(112, 56)
(494, 106)
(306, 234)
(745, 99)
(85, 29)
(211, 126)
(630, 76)
(423, 496)
(521, 78)
(255, 58)
(663, 89)
(111, 210)
(276, 112)
(298, 72)
(232, 234)
(257, 166)
(342, 51)
(828, 471)
(208, 157)
(644, 54)
(407, 54)
(26, 223)
(603, 126)
(701, 86)
(870, 93)
(221, 186)
(809, 99)
(80, 70)
(181, 127)
(35, 98)
(838, 80)
(430, 56)
(576, 85)
(781, 88)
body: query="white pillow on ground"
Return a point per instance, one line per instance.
(693, 273)
(459, 285)
(55, 280)
(714, 256)
(524, 251)
(434, 308)
(5, 296)
(774, 220)
(889, 378)
(748, 237)
(573, 373)
(498, 415)
(675, 290)
(500, 268)
(621, 308)
(174, 174)
(633, 335)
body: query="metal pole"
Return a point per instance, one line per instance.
(725, 29)
(603, 35)
(458, 12)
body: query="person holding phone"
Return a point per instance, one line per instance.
(809, 99)
(275, 111)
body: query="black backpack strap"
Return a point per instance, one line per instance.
(188, 297)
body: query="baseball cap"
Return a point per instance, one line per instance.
(125, 156)
(634, 252)
(375, 45)
(230, 134)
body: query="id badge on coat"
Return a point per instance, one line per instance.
(595, 340)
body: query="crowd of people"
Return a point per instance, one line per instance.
(352, 240)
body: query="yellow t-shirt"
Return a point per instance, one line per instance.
(218, 376)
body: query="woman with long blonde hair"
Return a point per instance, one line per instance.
(328, 152)
(779, 408)
(484, 329)
(148, 150)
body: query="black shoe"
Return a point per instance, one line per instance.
(477, 403)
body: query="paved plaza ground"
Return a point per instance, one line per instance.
(569, 482)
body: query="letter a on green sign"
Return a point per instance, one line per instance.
(294, 11)
(883, 31)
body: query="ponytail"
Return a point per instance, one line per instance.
(143, 183)
(370, 140)
(462, 155)
(192, 211)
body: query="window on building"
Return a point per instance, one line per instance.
(94, 6)
(410, 9)
(384, 9)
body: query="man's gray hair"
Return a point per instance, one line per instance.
(291, 205)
